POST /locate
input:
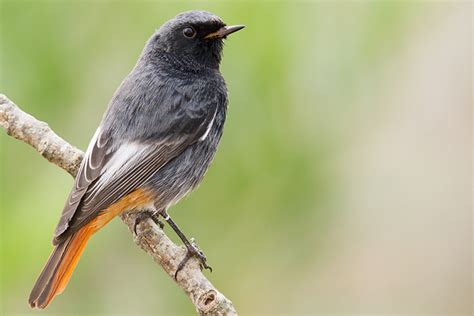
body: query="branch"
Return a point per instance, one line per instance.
(205, 297)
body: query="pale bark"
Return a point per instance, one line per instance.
(205, 297)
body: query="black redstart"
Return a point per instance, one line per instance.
(154, 144)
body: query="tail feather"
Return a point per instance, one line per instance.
(58, 270)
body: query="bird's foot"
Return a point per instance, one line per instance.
(154, 216)
(193, 251)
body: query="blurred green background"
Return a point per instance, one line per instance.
(342, 184)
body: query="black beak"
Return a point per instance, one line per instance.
(224, 31)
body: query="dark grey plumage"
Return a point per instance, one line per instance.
(159, 134)
(166, 102)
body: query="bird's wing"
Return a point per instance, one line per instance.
(110, 172)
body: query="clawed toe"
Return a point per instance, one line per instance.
(193, 251)
(138, 219)
(192, 248)
(144, 215)
(156, 218)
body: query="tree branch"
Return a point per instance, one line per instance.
(205, 297)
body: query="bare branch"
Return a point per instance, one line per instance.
(205, 297)
(25, 127)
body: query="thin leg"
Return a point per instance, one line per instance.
(193, 251)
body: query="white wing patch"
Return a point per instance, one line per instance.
(203, 137)
(87, 160)
(125, 156)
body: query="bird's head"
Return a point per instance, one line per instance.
(194, 37)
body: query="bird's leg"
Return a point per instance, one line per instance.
(192, 249)
(147, 213)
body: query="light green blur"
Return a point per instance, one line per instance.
(303, 78)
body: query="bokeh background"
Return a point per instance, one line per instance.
(342, 185)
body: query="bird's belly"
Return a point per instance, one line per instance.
(184, 173)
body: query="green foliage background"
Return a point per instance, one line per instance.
(303, 78)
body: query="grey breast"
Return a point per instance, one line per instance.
(184, 173)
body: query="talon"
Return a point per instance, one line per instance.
(206, 266)
(182, 264)
(138, 219)
(156, 218)
(192, 248)
(193, 251)
(144, 215)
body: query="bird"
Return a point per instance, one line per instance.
(154, 144)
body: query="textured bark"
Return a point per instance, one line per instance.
(205, 297)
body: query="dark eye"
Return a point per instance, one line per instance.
(189, 32)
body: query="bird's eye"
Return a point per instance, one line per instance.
(189, 32)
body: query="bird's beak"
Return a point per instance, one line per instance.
(224, 31)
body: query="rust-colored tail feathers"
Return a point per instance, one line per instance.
(58, 270)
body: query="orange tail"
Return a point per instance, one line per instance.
(58, 270)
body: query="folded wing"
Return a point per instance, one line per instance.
(112, 168)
